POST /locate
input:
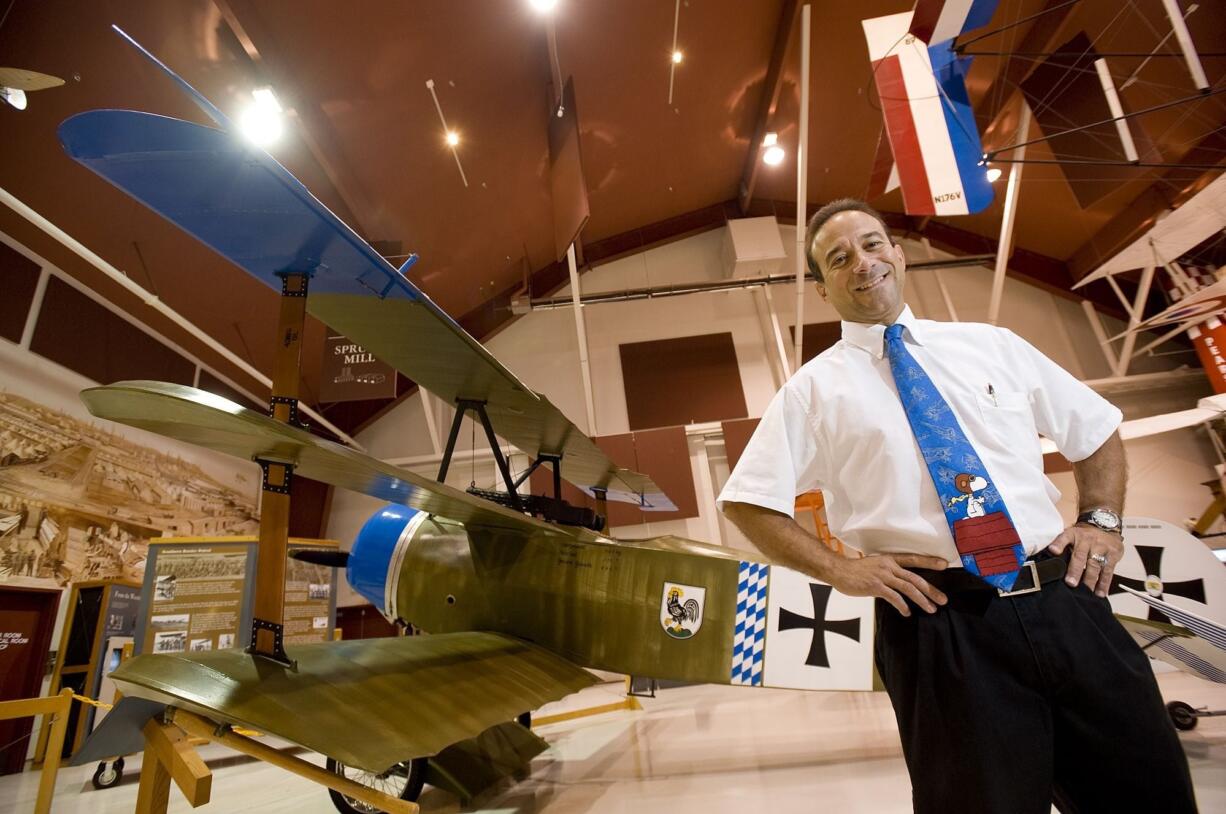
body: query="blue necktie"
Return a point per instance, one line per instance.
(978, 519)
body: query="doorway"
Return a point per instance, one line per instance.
(27, 621)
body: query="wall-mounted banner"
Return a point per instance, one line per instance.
(352, 373)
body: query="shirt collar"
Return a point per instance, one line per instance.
(871, 336)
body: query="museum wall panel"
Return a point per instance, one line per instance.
(80, 497)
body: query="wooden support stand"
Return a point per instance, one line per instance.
(170, 755)
(54, 710)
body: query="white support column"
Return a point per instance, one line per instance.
(1096, 325)
(936, 273)
(1005, 247)
(775, 338)
(581, 331)
(706, 488)
(802, 177)
(1134, 318)
(427, 407)
(1185, 44)
(36, 307)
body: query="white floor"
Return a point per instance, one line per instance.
(699, 749)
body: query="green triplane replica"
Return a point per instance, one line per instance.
(516, 605)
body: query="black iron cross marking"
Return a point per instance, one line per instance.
(819, 625)
(1151, 559)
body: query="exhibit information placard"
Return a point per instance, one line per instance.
(200, 592)
(196, 602)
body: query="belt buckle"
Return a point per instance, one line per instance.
(1034, 586)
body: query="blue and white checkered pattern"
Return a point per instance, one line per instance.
(749, 640)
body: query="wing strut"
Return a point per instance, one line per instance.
(268, 615)
(478, 409)
(555, 509)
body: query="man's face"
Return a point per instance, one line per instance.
(864, 271)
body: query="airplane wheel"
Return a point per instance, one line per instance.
(1183, 716)
(108, 775)
(404, 780)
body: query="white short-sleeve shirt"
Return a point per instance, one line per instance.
(838, 426)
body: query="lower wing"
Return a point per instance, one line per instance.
(370, 703)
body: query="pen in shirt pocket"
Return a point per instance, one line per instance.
(992, 393)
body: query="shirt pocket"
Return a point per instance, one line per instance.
(1009, 419)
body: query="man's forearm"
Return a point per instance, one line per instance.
(1102, 477)
(782, 539)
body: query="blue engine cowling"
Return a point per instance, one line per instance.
(376, 547)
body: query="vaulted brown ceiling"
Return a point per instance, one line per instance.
(365, 138)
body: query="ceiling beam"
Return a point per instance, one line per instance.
(771, 87)
(1171, 190)
(253, 32)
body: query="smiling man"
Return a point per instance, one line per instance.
(1013, 685)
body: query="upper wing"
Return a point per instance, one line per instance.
(369, 703)
(245, 206)
(191, 415)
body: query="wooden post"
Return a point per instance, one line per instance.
(269, 607)
(203, 728)
(54, 710)
(170, 755)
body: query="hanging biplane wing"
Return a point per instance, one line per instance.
(929, 125)
(1207, 302)
(244, 205)
(1178, 232)
(1207, 408)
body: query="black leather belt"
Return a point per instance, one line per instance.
(1036, 572)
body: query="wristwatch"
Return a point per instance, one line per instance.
(1104, 519)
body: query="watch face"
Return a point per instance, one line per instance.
(1105, 519)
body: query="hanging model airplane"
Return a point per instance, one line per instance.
(15, 83)
(930, 146)
(516, 606)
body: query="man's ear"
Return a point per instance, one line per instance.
(899, 255)
(821, 290)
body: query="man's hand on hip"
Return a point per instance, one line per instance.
(886, 576)
(1095, 555)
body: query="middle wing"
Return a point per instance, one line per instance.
(210, 421)
(241, 203)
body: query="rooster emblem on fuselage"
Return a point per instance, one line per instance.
(682, 610)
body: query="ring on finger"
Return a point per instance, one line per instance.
(1101, 559)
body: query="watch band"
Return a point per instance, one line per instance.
(1088, 517)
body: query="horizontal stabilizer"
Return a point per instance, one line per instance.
(210, 421)
(238, 201)
(369, 703)
(1177, 647)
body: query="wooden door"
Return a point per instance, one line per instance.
(27, 619)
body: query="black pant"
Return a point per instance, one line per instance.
(1008, 704)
